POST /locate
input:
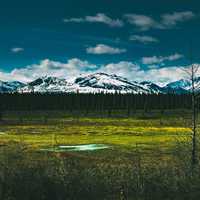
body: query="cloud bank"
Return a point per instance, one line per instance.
(74, 67)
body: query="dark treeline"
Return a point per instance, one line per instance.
(94, 102)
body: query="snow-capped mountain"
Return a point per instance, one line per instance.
(94, 83)
(182, 85)
(10, 86)
(112, 83)
(46, 84)
(153, 87)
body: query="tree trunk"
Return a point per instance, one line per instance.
(194, 116)
(194, 119)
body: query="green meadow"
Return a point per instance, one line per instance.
(148, 157)
(122, 132)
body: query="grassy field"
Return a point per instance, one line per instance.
(124, 132)
(149, 158)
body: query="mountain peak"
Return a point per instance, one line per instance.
(94, 83)
(10, 86)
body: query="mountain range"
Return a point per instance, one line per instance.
(94, 83)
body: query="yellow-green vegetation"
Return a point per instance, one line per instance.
(124, 132)
(148, 159)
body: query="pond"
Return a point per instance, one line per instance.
(83, 147)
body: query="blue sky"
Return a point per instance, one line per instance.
(138, 39)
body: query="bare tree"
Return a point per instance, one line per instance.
(192, 73)
(1, 116)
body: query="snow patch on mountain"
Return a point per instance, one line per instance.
(10, 86)
(46, 84)
(110, 83)
(95, 83)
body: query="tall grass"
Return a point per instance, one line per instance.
(28, 175)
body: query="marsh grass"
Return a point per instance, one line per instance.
(107, 174)
(149, 159)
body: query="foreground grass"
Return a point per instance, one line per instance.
(112, 174)
(148, 159)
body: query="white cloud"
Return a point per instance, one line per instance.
(71, 68)
(6, 76)
(17, 49)
(104, 49)
(143, 39)
(98, 18)
(157, 75)
(74, 67)
(163, 75)
(175, 56)
(152, 60)
(174, 18)
(168, 20)
(132, 71)
(77, 20)
(153, 66)
(159, 59)
(143, 22)
(123, 68)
